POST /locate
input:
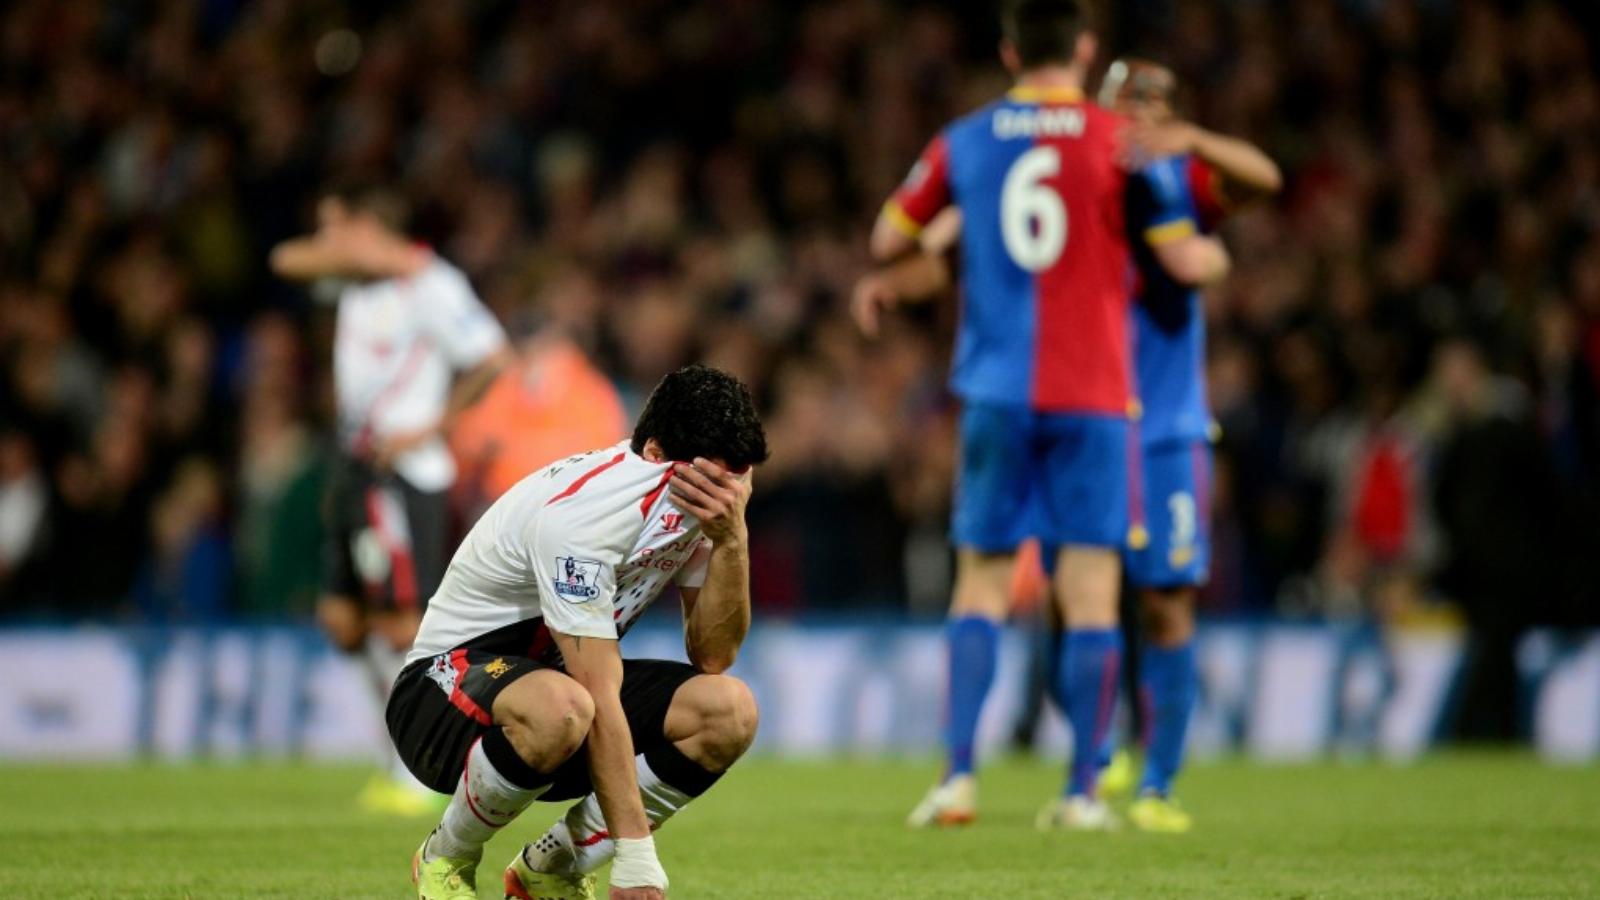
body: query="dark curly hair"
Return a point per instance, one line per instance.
(699, 411)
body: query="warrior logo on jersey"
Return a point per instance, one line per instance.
(575, 578)
(671, 523)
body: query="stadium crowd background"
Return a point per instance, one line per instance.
(1405, 362)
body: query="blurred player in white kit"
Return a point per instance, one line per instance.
(413, 348)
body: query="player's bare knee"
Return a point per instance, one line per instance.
(546, 716)
(729, 718)
(1087, 581)
(982, 585)
(564, 717)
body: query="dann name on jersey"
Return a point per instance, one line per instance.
(1012, 122)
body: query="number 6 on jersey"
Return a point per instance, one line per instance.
(1033, 220)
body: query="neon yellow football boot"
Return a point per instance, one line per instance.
(444, 878)
(1159, 815)
(1118, 777)
(523, 883)
(387, 797)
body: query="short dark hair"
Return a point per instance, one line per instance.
(702, 412)
(364, 195)
(1044, 31)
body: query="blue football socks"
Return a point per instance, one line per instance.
(974, 644)
(1170, 683)
(1086, 688)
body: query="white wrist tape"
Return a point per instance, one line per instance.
(636, 865)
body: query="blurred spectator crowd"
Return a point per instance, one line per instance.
(1405, 364)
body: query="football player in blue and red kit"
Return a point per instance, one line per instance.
(1043, 368)
(1190, 177)
(1195, 177)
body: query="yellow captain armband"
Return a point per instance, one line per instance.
(901, 219)
(1171, 231)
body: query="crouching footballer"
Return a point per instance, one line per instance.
(515, 690)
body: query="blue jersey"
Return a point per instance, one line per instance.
(1173, 200)
(1045, 261)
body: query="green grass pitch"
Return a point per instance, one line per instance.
(1464, 825)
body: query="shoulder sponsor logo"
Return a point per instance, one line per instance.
(576, 578)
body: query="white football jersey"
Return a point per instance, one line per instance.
(397, 345)
(581, 547)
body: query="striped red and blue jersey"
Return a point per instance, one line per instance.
(1046, 274)
(1174, 198)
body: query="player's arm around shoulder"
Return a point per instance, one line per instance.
(716, 616)
(1246, 172)
(596, 664)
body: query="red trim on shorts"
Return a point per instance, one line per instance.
(372, 587)
(1202, 487)
(577, 486)
(405, 579)
(1136, 517)
(458, 698)
(655, 493)
(402, 568)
